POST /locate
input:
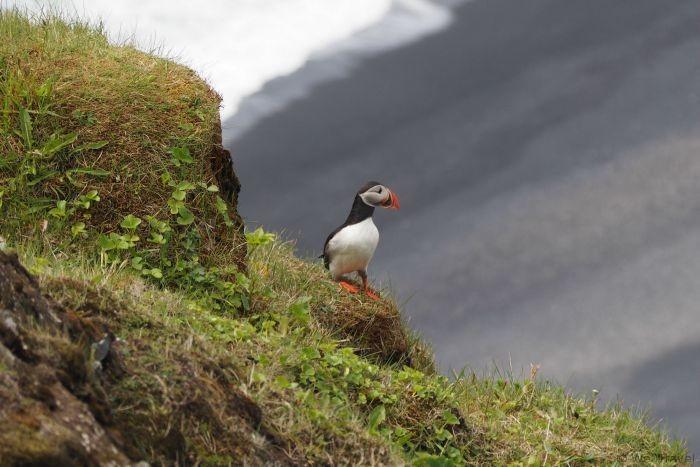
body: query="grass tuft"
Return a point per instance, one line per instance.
(92, 134)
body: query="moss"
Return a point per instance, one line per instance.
(21, 444)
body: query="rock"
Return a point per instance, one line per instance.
(41, 421)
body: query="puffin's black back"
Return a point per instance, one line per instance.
(359, 212)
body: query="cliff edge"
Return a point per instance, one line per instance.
(139, 322)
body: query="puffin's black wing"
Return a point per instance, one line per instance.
(326, 258)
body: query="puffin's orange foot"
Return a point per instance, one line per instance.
(372, 294)
(349, 287)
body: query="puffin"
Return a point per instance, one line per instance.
(350, 247)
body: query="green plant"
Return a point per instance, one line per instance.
(39, 168)
(259, 237)
(33, 173)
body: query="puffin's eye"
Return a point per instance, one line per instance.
(380, 190)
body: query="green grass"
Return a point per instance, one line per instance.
(224, 361)
(319, 398)
(93, 134)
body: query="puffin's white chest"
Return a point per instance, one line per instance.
(352, 248)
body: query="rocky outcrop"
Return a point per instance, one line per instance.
(230, 187)
(48, 398)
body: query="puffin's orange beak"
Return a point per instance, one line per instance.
(392, 202)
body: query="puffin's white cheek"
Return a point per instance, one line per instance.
(367, 199)
(371, 198)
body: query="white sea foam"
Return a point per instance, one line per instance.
(240, 45)
(406, 21)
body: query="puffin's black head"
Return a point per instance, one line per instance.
(377, 195)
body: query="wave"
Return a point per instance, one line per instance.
(405, 21)
(240, 46)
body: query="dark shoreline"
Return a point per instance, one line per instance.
(542, 152)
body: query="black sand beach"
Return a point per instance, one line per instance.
(547, 156)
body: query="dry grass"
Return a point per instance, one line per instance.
(375, 328)
(202, 386)
(188, 393)
(178, 397)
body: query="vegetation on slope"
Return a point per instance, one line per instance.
(118, 147)
(185, 348)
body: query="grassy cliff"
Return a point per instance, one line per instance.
(145, 313)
